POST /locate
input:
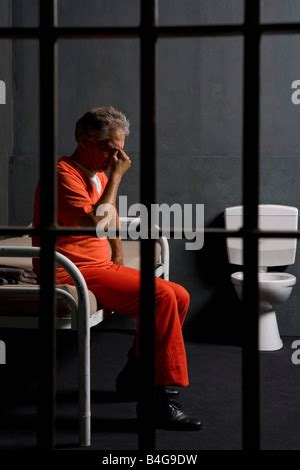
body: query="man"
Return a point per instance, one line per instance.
(83, 187)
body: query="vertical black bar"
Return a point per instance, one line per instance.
(147, 191)
(47, 351)
(251, 402)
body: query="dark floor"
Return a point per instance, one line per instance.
(214, 395)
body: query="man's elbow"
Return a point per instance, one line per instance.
(89, 220)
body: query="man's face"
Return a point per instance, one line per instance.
(98, 153)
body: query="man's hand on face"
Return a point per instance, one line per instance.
(119, 164)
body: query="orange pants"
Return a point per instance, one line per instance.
(118, 289)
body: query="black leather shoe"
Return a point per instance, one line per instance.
(170, 416)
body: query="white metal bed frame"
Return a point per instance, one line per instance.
(80, 319)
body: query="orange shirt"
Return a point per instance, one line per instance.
(76, 195)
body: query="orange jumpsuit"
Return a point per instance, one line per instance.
(116, 287)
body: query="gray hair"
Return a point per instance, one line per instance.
(102, 120)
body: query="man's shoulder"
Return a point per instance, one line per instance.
(66, 167)
(65, 163)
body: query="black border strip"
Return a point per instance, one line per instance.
(47, 33)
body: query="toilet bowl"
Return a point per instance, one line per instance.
(274, 288)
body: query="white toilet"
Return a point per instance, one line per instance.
(274, 287)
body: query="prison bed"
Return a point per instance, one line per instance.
(77, 307)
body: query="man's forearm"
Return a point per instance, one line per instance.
(110, 192)
(108, 199)
(116, 246)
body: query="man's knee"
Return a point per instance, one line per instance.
(182, 295)
(165, 294)
(186, 297)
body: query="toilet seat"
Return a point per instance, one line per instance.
(280, 279)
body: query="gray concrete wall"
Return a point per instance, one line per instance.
(5, 113)
(199, 130)
(24, 166)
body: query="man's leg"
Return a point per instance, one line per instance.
(183, 302)
(118, 289)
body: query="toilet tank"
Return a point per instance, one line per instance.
(272, 252)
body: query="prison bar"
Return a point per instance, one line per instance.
(47, 351)
(146, 427)
(250, 355)
(102, 32)
(209, 232)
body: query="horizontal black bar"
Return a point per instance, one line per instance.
(135, 31)
(207, 30)
(4, 230)
(222, 232)
(280, 28)
(65, 32)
